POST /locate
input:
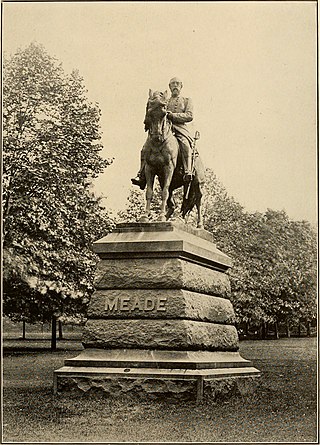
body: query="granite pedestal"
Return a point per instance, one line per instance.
(160, 322)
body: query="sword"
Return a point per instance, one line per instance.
(193, 156)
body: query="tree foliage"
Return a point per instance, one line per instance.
(274, 272)
(51, 144)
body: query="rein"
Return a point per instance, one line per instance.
(161, 136)
(159, 127)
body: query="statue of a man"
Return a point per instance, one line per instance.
(179, 112)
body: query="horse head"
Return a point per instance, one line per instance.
(157, 102)
(155, 120)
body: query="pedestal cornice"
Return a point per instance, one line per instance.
(162, 240)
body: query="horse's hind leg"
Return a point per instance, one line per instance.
(200, 220)
(149, 194)
(170, 204)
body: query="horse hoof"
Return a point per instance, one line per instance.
(161, 218)
(199, 226)
(144, 219)
(169, 215)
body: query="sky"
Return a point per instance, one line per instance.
(249, 67)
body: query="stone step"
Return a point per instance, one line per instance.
(184, 383)
(135, 358)
(157, 372)
(156, 382)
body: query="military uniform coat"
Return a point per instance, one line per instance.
(182, 109)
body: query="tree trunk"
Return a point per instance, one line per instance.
(299, 329)
(60, 330)
(53, 334)
(23, 330)
(246, 327)
(288, 329)
(308, 329)
(263, 330)
(276, 330)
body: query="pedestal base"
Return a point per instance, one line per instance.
(160, 323)
(157, 374)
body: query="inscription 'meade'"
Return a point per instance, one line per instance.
(129, 304)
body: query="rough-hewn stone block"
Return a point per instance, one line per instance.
(160, 334)
(160, 303)
(154, 388)
(160, 273)
(139, 387)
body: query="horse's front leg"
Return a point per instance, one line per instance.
(149, 193)
(165, 192)
(164, 198)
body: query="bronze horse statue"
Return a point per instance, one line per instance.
(163, 159)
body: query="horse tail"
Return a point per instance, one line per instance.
(188, 202)
(194, 193)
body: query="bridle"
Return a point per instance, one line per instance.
(158, 136)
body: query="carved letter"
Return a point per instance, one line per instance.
(137, 304)
(148, 307)
(124, 303)
(110, 305)
(161, 301)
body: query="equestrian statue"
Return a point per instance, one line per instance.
(170, 153)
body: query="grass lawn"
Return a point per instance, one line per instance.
(283, 409)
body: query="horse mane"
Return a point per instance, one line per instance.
(147, 120)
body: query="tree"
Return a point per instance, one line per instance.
(274, 259)
(286, 268)
(298, 263)
(51, 155)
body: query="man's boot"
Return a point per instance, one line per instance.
(140, 179)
